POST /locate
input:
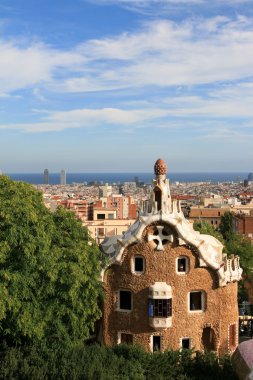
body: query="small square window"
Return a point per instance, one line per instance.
(185, 343)
(126, 338)
(125, 300)
(196, 301)
(100, 216)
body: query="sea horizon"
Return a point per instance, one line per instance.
(117, 178)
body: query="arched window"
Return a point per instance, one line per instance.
(208, 339)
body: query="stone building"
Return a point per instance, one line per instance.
(243, 224)
(211, 215)
(168, 286)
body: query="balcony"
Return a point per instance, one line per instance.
(160, 306)
(160, 323)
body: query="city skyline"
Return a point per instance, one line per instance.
(110, 86)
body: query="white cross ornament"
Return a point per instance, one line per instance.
(160, 237)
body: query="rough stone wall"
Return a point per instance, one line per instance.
(219, 313)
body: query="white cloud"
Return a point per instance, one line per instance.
(22, 67)
(161, 53)
(177, 112)
(166, 53)
(88, 118)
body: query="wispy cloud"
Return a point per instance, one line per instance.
(222, 109)
(87, 118)
(166, 53)
(166, 7)
(24, 66)
(161, 53)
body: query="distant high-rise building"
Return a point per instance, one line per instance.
(63, 177)
(136, 180)
(250, 177)
(46, 176)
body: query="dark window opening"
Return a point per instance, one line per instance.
(208, 340)
(181, 264)
(159, 308)
(196, 301)
(138, 264)
(125, 300)
(186, 343)
(126, 338)
(156, 343)
(101, 231)
(101, 216)
(158, 198)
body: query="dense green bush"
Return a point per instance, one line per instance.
(116, 363)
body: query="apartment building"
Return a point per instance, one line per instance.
(243, 224)
(212, 215)
(82, 208)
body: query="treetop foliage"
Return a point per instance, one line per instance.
(49, 270)
(234, 244)
(207, 229)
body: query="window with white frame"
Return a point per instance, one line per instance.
(185, 343)
(196, 301)
(125, 300)
(138, 264)
(182, 264)
(160, 308)
(156, 343)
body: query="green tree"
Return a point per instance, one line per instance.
(233, 244)
(75, 293)
(226, 225)
(207, 229)
(49, 269)
(237, 244)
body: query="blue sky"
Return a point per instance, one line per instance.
(112, 85)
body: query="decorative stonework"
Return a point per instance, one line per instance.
(160, 167)
(160, 238)
(207, 247)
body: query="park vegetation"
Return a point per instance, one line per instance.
(234, 244)
(121, 362)
(49, 271)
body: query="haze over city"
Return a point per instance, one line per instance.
(111, 85)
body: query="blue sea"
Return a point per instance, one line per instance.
(146, 178)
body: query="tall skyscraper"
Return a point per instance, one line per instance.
(63, 177)
(46, 176)
(250, 177)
